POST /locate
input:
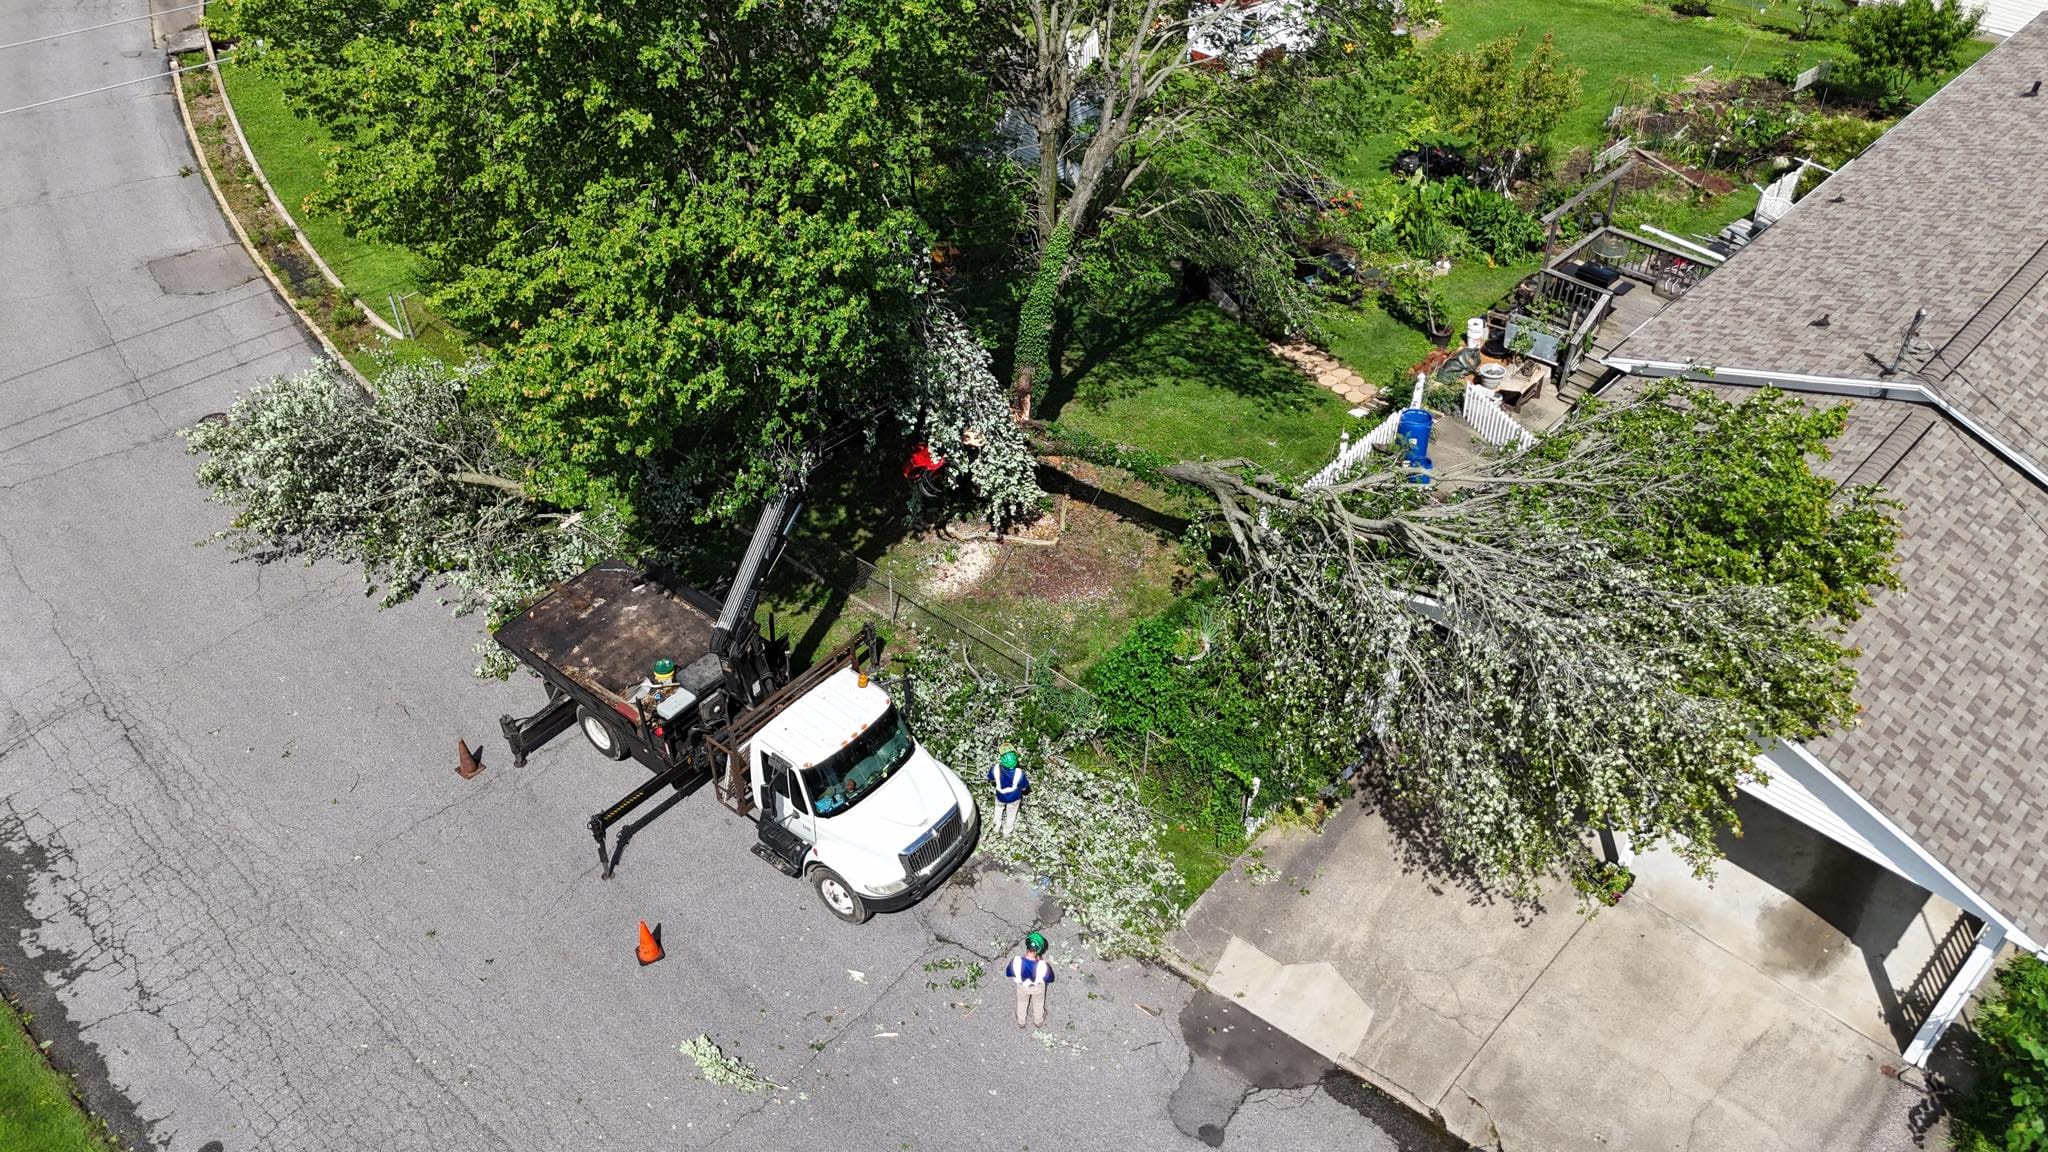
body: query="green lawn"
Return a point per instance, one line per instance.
(37, 1110)
(1375, 345)
(292, 152)
(1190, 382)
(1612, 39)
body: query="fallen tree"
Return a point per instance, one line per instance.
(1519, 653)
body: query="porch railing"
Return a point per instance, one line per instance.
(1918, 998)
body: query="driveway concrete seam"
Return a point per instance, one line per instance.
(1508, 1015)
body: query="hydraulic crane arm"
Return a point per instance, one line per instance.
(771, 535)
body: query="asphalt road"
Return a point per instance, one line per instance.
(252, 905)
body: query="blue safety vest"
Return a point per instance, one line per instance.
(1013, 791)
(1025, 970)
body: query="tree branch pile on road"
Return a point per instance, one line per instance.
(413, 484)
(1087, 829)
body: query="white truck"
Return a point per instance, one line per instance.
(821, 762)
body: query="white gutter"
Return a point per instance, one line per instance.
(1841, 386)
(1706, 255)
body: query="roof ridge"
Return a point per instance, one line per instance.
(1877, 466)
(1948, 359)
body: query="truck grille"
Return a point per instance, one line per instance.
(933, 844)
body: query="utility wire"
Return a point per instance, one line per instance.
(97, 27)
(110, 87)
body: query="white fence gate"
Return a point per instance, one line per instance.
(1491, 422)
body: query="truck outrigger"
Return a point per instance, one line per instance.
(820, 761)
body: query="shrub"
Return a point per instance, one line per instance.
(1836, 140)
(1175, 677)
(1412, 298)
(2009, 1109)
(1898, 43)
(1495, 226)
(345, 315)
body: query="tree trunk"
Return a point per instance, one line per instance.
(1035, 319)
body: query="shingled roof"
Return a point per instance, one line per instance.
(1947, 212)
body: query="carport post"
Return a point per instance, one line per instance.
(1615, 846)
(1950, 1006)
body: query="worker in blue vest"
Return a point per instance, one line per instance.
(1032, 972)
(1011, 783)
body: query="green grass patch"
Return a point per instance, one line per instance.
(293, 151)
(1613, 39)
(1194, 852)
(37, 1109)
(1374, 344)
(1189, 382)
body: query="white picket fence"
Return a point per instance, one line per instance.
(1350, 452)
(1490, 421)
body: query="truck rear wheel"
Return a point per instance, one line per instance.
(602, 734)
(839, 896)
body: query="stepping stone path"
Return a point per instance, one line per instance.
(1327, 371)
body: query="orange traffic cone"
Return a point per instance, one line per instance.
(650, 945)
(466, 763)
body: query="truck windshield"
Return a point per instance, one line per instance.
(859, 768)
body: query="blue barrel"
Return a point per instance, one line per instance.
(1414, 428)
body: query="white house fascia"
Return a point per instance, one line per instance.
(1870, 829)
(1901, 853)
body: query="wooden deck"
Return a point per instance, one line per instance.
(1629, 313)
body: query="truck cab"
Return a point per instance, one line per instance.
(847, 798)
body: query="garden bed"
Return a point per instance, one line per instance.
(242, 195)
(293, 152)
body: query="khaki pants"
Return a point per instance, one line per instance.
(1006, 817)
(1032, 996)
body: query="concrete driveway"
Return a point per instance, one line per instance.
(1651, 1025)
(246, 896)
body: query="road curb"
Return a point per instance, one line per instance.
(227, 212)
(276, 205)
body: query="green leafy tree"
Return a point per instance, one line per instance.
(1506, 106)
(1898, 43)
(688, 233)
(1816, 16)
(1593, 633)
(1180, 119)
(2008, 1111)
(1765, 518)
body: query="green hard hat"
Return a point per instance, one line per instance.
(1010, 759)
(1035, 942)
(664, 667)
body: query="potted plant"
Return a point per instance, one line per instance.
(1530, 337)
(1610, 882)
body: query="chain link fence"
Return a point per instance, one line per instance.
(879, 594)
(1182, 785)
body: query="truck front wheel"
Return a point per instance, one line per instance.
(839, 896)
(602, 734)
